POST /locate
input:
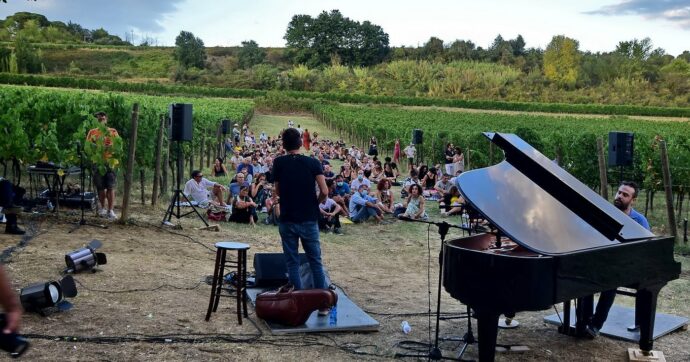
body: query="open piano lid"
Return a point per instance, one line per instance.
(541, 206)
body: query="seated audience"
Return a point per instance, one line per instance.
(329, 216)
(260, 191)
(219, 169)
(452, 202)
(341, 194)
(238, 182)
(385, 196)
(244, 208)
(363, 206)
(444, 185)
(327, 172)
(412, 180)
(414, 204)
(197, 190)
(360, 180)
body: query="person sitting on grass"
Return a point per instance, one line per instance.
(412, 180)
(259, 191)
(385, 196)
(328, 216)
(235, 185)
(197, 190)
(443, 186)
(244, 208)
(341, 194)
(414, 205)
(360, 180)
(452, 203)
(219, 169)
(363, 206)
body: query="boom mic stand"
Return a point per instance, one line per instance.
(82, 176)
(435, 352)
(178, 195)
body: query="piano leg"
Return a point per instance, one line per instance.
(645, 310)
(487, 328)
(583, 314)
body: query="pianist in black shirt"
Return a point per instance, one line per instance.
(625, 198)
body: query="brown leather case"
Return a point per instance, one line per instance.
(292, 307)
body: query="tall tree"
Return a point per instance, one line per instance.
(433, 49)
(331, 37)
(461, 50)
(562, 61)
(250, 54)
(27, 57)
(189, 50)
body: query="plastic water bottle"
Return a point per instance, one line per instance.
(405, 327)
(333, 316)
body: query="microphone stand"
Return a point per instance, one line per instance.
(82, 176)
(443, 228)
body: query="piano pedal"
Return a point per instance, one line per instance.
(505, 348)
(638, 355)
(508, 323)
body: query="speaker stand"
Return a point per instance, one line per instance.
(175, 204)
(178, 195)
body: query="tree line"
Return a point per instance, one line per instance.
(332, 53)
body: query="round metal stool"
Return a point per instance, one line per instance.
(218, 272)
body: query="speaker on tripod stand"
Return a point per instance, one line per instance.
(180, 130)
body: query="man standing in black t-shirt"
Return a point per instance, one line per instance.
(295, 177)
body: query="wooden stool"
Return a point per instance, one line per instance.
(241, 278)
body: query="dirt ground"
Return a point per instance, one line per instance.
(149, 301)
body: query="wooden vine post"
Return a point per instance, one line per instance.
(603, 181)
(668, 190)
(130, 163)
(157, 170)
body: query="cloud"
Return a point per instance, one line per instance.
(675, 11)
(115, 16)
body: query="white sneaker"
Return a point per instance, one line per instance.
(111, 215)
(103, 212)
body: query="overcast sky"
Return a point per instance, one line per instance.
(597, 24)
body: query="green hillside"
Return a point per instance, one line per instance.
(635, 73)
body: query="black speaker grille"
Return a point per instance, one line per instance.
(417, 136)
(180, 122)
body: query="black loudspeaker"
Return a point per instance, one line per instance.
(225, 126)
(270, 269)
(621, 148)
(417, 136)
(180, 122)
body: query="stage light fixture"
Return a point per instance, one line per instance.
(41, 296)
(85, 258)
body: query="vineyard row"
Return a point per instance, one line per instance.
(197, 91)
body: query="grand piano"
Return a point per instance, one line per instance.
(556, 240)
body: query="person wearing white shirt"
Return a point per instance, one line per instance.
(198, 187)
(360, 180)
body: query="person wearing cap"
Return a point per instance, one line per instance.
(105, 182)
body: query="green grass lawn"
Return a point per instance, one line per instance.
(272, 125)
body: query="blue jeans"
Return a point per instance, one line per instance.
(291, 233)
(363, 214)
